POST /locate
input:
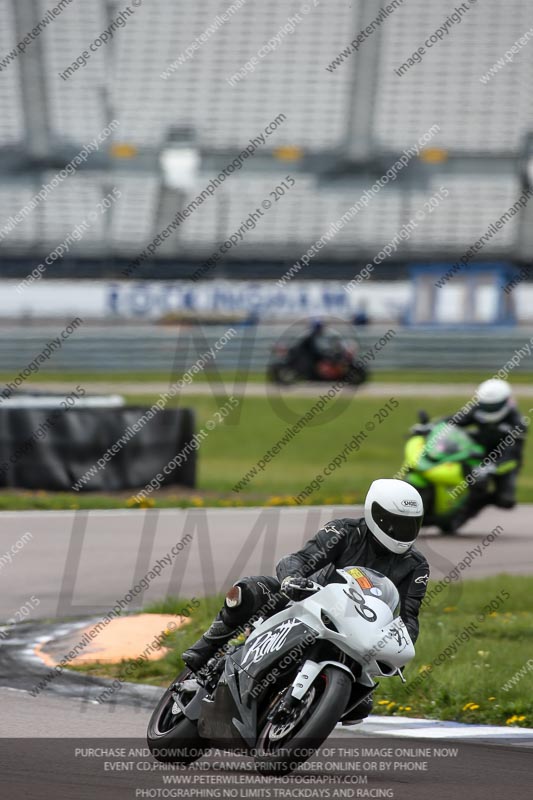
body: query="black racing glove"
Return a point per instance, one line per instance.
(420, 429)
(296, 588)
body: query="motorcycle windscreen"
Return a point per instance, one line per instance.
(447, 443)
(375, 584)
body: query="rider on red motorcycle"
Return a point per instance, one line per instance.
(309, 350)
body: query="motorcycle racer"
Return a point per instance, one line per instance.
(310, 349)
(381, 540)
(495, 423)
(500, 429)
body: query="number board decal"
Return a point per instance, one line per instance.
(360, 577)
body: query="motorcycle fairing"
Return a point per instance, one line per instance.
(444, 444)
(437, 461)
(264, 649)
(217, 721)
(446, 497)
(232, 713)
(413, 450)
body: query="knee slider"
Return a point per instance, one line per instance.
(234, 596)
(237, 613)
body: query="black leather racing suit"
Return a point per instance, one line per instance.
(348, 542)
(307, 352)
(503, 442)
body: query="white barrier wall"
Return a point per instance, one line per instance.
(151, 300)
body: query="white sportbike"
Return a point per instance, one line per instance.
(300, 672)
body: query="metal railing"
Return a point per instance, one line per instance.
(146, 349)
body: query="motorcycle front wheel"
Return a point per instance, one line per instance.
(171, 737)
(357, 375)
(281, 747)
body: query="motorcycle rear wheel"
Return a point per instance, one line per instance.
(282, 374)
(277, 755)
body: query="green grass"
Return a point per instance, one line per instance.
(477, 671)
(448, 376)
(131, 376)
(24, 500)
(233, 447)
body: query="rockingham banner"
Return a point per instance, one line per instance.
(151, 300)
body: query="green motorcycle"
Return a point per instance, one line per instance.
(436, 463)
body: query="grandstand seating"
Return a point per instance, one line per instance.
(297, 220)
(126, 226)
(77, 108)
(445, 88)
(290, 226)
(198, 94)
(125, 76)
(11, 111)
(123, 80)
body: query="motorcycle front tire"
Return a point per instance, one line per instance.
(174, 741)
(357, 375)
(325, 715)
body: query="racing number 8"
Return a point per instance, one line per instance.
(360, 606)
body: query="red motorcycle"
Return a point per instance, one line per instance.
(338, 362)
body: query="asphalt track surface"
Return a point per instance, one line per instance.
(271, 390)
(81, 562)
(55, 763)
(78, 564)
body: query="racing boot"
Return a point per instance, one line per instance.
(216, 636)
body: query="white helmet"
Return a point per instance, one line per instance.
(494, 398)
(393, 513)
